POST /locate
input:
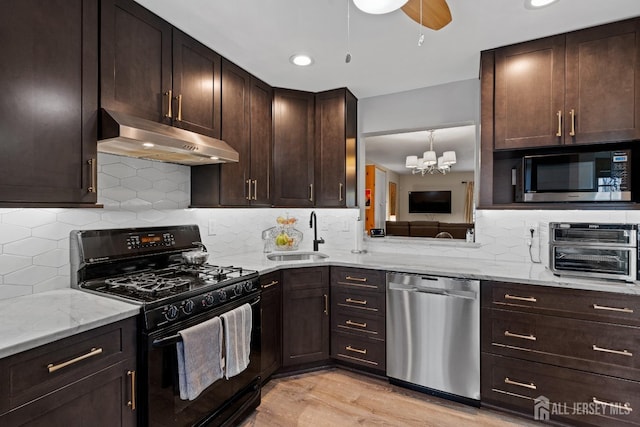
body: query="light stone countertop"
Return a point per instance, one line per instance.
(29, 321)
(62, 313)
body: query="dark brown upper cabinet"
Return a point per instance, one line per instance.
(578, 88)
(154, 71)
(247, 127)
(335, 148)
(293, 148)
(48, 107)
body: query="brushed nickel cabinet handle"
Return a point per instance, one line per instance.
(357, 279)
(626, 407)
(340, 192)
(531, 386)
(604, 307)
(255, 189)
(356, 301)
(572, 113)
(311, 192)
(93, 352)
(352, 323)
(326, 304)
(132, 403)
(179, 116)
(248, 182)
(355, 350)
(93, 163)
(268, 285)
(608, 350)
(559, 114)
(169, 95)
(517, 298)
(524, 337)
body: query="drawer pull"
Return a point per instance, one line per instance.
(524, 337)
(627, 407)
(517, 298)
(132, 403)
(604, 307)
(531, 386)
(268, 285)
(357, 279)
(355, 350)
(352, 323)
(94, 352)
(607, 350)
(356, 301)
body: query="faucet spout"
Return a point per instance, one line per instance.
(313, 223)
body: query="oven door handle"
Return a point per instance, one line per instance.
(172, 339)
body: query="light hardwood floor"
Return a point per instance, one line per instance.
(343, 398)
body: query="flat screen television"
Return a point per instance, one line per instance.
(430, 202)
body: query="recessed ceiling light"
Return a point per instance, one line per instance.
(301, 59)
(537, 4)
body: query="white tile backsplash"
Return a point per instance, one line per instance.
(34, 243)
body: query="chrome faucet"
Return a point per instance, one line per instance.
(313, 223)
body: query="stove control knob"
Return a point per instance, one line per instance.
(238, 289)
(222, 295)
(171, 312)
(248, 286)
(188, 306)
(208, 300)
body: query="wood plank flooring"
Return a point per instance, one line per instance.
(343, 398)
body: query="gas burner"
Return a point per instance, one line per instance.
(148, 284)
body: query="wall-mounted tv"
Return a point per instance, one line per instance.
(430, 202)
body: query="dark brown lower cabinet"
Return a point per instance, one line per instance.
(85, 380)
(305, 316)
(568, 356)
(271, 346)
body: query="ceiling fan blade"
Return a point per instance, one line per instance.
(435, 13)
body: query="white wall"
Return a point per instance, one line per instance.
(451, 181)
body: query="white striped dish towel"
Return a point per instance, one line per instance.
(237, 325)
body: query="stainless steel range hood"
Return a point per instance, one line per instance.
(126, 135)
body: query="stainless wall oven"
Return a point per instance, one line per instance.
(605, 251)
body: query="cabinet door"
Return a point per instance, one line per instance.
(529, 94)
(271, 354)
(234, 177)
(261, 141)
(603, 83)
(135, 61)
(335, 149)
(293, 153)
(305, 316)
(48, 120)
(196, 86)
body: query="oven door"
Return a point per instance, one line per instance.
(222, 403)
(606, 262)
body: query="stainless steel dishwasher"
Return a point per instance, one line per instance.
(433, 334)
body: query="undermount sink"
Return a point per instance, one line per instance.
(297, 256)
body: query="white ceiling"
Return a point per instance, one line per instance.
(261, 35)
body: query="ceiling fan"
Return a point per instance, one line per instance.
(434, 14)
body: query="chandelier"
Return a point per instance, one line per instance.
(430, 163)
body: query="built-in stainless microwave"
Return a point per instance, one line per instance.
(602, 176)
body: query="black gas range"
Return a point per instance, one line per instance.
(145, 266)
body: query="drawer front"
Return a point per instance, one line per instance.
(599, 347)
(588, 305)
(360, 301)
(573, 396)
(359, 323)
(270, 281)
(355, 349)
(36, 372)
(358, 278)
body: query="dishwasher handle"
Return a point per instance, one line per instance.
(393, 286)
